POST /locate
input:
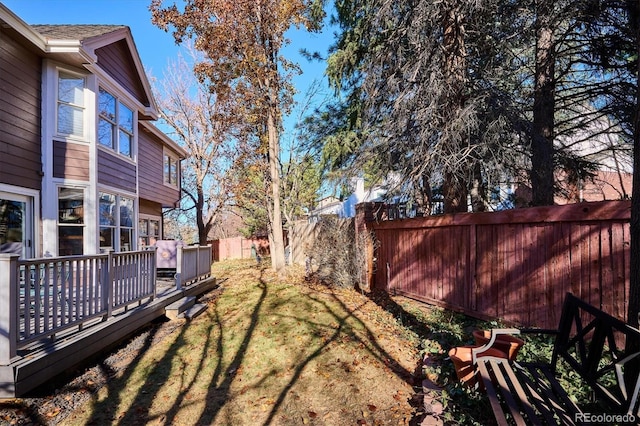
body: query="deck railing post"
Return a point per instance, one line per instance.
(179, 267)
(153, 266)
(197, 274)
(9, 305)
(107, 283)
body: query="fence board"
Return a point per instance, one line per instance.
(516, 265)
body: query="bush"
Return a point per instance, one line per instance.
(338, 260)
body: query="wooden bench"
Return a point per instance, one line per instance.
(591, 343)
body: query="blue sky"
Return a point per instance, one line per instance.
(155, 47)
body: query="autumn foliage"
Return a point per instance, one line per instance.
(242, 42)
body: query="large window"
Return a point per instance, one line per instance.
(116, 222)
(115, 124)
(70, 221)
(171, 170)
(70, 104)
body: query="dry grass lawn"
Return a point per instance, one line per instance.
(269, 350)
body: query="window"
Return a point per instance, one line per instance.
(116, 222)
(171, 170)
(70, 104)
(115, 124)
(149, 231)
(70, 221)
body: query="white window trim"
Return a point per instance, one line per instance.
(118, 193)
(85, 225)
(148, 217)
(35, 227)
(126, 101)
(87, 99)
(176, 158)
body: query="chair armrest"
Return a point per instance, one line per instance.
(495, 332)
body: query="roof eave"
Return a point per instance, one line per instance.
(165, 139)
(93, 43)
(22, 28)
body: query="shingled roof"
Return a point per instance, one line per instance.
(75, 32)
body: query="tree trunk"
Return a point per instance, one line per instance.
(455, 70)
(454, 194)
(543, 108)
(202, 229)
(276, 236)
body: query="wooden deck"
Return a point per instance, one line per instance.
(55, 313)
(43, 360)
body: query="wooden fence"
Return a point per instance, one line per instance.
(515, 265)
(238, 248)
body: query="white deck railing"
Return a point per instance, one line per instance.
(40, 298)
(193, 264)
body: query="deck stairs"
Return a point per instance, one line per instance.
(184, 308)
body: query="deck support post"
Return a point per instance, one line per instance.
(9, 305)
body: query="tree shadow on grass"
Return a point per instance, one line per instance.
(210, 350)
(343, 316)
(162, 372)
(106, 409)
(221, 392)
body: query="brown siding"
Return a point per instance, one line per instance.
(150, 208)
(70, 160)
(150, 159)
(516, 265)
(116, 172)
(20, 82)
(117, 61)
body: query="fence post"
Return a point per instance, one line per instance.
(365, 213)
(9, 305)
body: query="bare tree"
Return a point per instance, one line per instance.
(206, 125)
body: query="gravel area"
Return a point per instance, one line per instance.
(51, 403)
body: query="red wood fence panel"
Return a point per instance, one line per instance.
(515, 265)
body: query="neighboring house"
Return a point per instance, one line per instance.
(347, 208)
(82, 167)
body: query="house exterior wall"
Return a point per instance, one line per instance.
(20, 97)
(71, 161)
(150, 208)
(51, 155)
(116, 60)
(116, 172)
(150, 165)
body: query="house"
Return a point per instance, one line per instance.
(83, 170)
(331, 206)
(82, 166)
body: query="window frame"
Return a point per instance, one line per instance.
(167, 176)
(117, 227)
(82, 108)
(144, 238)
(81, 225)
(116, 126)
